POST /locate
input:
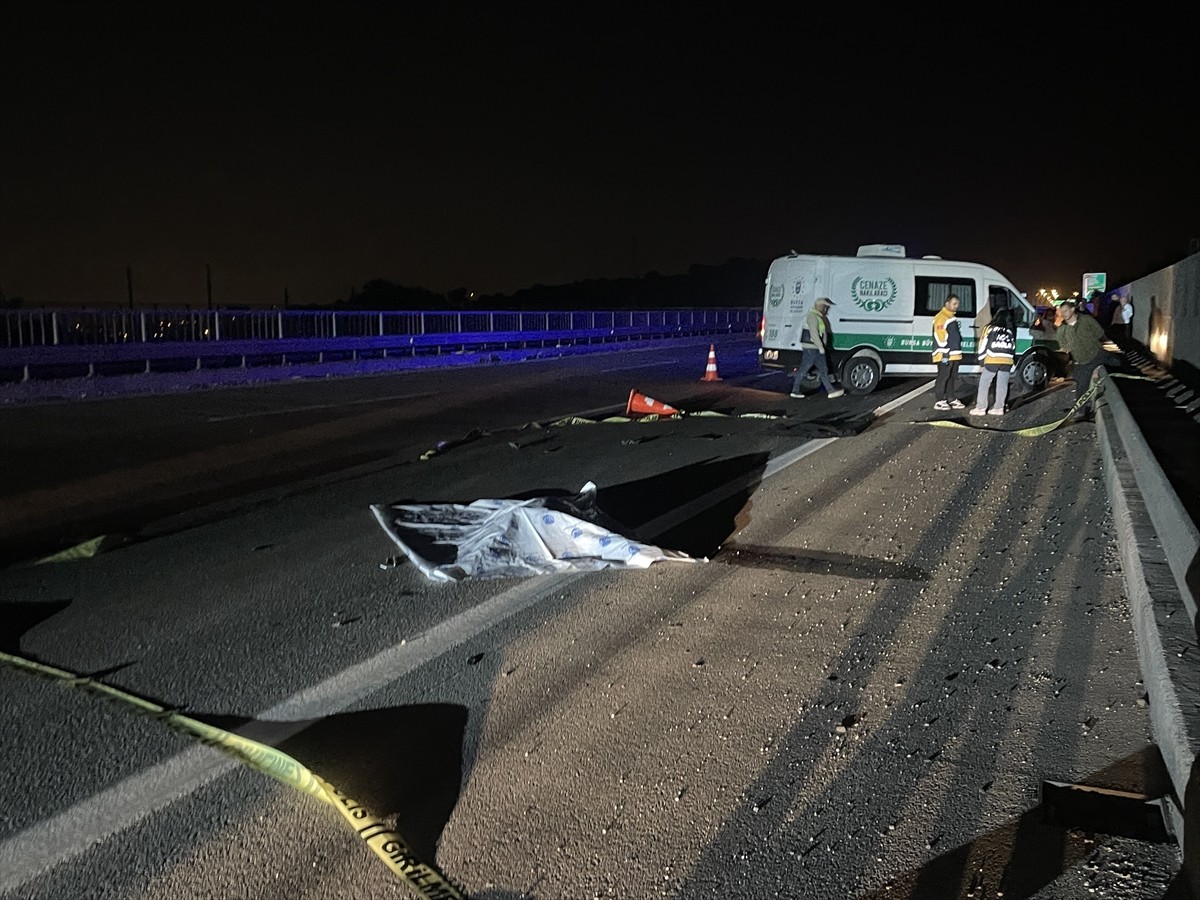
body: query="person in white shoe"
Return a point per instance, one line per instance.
(947, 354)
(815, 340)
(997, 345)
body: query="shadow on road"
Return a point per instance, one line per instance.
(823, 562)
(1028, 852)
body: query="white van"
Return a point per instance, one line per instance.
(882, 317)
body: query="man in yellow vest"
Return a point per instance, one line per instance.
(815, 342)
(947, 354)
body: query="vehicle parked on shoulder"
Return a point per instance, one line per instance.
(884, 304)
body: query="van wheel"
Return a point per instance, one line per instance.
(860, 374)
(1032, 373)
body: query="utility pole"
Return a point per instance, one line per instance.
(285, 298)
(129, 284)
(208, 282)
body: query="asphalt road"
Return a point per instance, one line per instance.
(888, 640)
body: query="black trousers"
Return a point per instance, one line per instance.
(1083, 379)
(946, 386)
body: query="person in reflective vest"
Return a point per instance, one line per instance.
(997, 346)
(815, 341)
(947, 354)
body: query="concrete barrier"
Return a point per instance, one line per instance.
(1158, 543)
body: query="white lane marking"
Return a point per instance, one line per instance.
(781, 462)
(339, 405)
(900, 401)
(653, 365)
(73, 831)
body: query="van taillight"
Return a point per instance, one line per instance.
(762, 328)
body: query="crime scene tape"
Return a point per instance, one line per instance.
(391, 847)
(1038, 430)
(655, 417)
(85, 550)
(443, 446)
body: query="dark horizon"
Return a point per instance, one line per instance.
(313, 149)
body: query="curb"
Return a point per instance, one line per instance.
(1164, 621)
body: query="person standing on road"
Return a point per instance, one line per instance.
(1123, 317)
(1083, 338)
(997, 346)
(816, 340)
(947, 354)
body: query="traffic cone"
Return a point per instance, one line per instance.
(710, 371)
(641, 405)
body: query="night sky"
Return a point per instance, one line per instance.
(315, 147)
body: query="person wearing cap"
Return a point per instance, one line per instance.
(816, 342)
(947, 354)
(1083, 338)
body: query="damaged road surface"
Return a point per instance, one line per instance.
(899, 634)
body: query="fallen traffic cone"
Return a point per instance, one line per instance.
(710, 371)
(641, 405)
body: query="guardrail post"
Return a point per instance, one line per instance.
(333, 324)
(54, 327)
(279, 325)
(142, 316)
(381, 326)
(217, 325)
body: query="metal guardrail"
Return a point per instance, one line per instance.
(74, 327)
(54, 343)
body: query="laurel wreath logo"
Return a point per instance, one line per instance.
(873, 295)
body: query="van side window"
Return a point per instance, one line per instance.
(932, 294)
(1000, 297)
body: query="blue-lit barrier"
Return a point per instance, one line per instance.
(68, 342)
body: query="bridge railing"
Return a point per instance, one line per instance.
(75, 327)
(56, 343)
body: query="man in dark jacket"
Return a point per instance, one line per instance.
(1082, 337)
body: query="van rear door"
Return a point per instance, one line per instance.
(791, 289)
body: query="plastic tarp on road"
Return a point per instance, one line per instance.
(507, 538)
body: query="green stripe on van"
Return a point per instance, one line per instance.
(906, 343)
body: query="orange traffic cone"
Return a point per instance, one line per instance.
(710, 371)
(641, 405)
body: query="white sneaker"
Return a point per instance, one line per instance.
(941, 404)
(978, 411)
(836, 393)
(995, 412)
(957, 404)
(795, 396)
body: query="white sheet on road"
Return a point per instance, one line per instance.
(505, 538)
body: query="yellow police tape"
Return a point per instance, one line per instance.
(655, 417)
(1038, 430)
(388, 845)
(85, 550)
(579, 420)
